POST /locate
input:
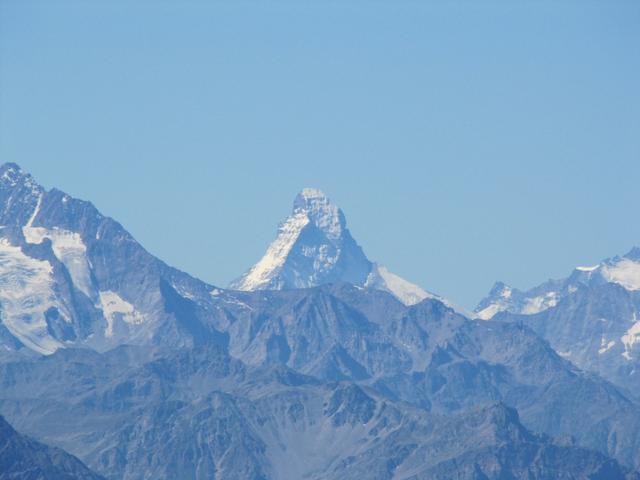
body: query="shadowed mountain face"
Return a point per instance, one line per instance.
(142, 371)
(24, 459)
(591, 318)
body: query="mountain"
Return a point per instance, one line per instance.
(314, 247)
(143, 371)
(623, 271)
(70, 276)
(22, 458)
(591, 317)
(433, 358)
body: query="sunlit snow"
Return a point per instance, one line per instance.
(625, 272)
(114, 307)
(26, 293)
(631, 337)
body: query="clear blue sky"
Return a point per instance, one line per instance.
(466, 141)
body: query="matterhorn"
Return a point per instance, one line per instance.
(314, 247)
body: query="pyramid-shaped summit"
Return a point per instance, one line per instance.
(314, 247)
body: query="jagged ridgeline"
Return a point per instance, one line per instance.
(317, 364)
(592, 317)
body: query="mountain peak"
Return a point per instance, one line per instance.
(311, 194)
(314, 247)
(633, 254)
(10, 167)
(321, 212)
(11, 175)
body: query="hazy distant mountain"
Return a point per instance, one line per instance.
(314, 247)
(22, 458)
(198, 413)
(592, 317)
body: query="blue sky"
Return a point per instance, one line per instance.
(466, 141)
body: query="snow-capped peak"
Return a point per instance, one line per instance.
(408, 293)
(11, 176)
(261, 275)
(622, 270)
(314, 247)
(319, 210)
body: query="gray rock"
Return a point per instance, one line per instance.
(22, 458)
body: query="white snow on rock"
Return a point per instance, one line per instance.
(262, 272)
(527, 306)
(326, 253)
(605, 346)
(540, 303)
(321, 211)
(26, 293)
(115, 308)
(488, 312)
(69, 249)
(501, 300)
(588, 269)
(631, 337)
(624, 272)
(408, 293)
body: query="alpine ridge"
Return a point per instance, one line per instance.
(592, 317)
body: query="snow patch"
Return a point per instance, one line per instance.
(276, 254)
(588, 269)
(408, 293)
(36, 210)
(68, 248)
(312, 193)
(631, 337)
(605, 346)
(488, 312)
(26, 293)
(540, 303)
(114, 307)
(624, 272)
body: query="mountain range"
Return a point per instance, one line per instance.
(592, 317)
(317, 363)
